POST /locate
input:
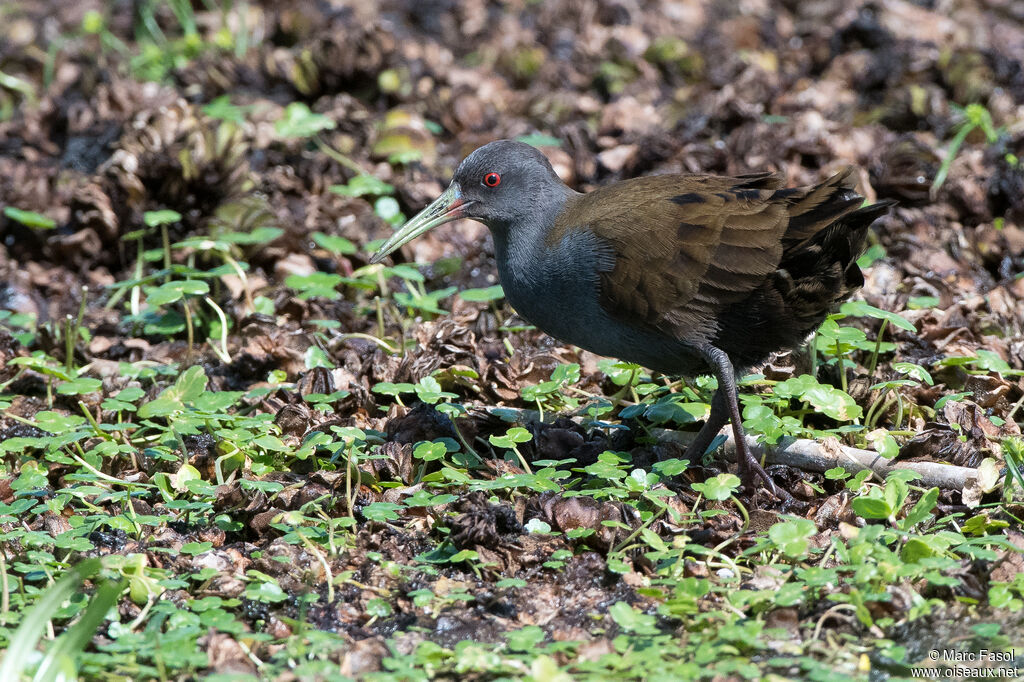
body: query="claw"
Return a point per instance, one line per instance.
(751, 470)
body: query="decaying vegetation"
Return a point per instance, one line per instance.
(231, 446)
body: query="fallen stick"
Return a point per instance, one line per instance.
(804, 454)
(812, 455)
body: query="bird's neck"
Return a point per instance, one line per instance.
(519, 245)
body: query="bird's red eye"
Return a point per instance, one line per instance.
(492, 179)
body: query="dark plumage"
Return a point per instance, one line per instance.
(679, 273)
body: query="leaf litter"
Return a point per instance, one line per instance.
(308, 481)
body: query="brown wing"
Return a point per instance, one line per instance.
(684, 245)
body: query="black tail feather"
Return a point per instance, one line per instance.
(826, 234)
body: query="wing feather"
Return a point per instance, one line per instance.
(684, 247)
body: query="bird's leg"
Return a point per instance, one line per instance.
(750, 468)
(717, 418)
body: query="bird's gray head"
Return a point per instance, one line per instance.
(504, 184)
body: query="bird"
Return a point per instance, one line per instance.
(684, 274)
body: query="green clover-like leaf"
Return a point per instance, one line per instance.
(719, 488)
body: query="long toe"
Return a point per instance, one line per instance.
(751, 470)
(754, 471)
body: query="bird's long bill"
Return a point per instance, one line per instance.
(447, 207)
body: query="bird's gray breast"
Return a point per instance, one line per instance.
(554, 287)
(557, 288)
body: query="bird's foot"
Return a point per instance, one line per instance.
(751, 470)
